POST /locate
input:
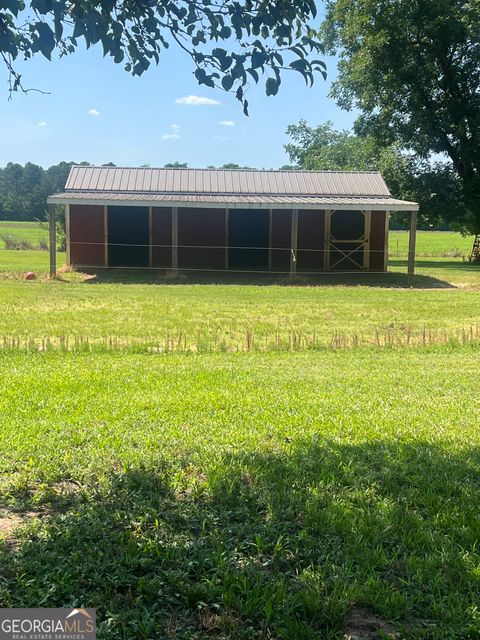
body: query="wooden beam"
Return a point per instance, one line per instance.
(293, 243)
(226, 239)
(150, 237)
(387, 229)
(67, 231)
(366, 246)
(326, 242)
(174, 239)
(412, 239)
(105, 235)
(270, 226)
(52, 236)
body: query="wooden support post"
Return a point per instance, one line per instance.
(326, 242)
(385, 247)
(293, 243)
(52, 234)
(150, 237)
(412, 239)
(226, 239)
(174, 240)
(366, 246)
(67, 232)
(105, 235)
(270, 225)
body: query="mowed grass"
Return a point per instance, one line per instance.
(196, 317)
(202, 460)
(245, 495)
(445, 244)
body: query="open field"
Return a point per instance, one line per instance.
(433, 244)
(198, 460)
(32, 232)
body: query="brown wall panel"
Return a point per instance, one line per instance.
(162, 237)
(201, 238)
(87, 235)
(377, 241)
(281, 239)
(311, 236)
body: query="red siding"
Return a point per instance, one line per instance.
(201, 238)
(87, 236)
(162, 237)
(281, 239)
(311, 236)
(377, 241)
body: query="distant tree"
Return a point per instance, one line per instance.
(433, 184)
(412, 69)
(176, 165)
(259, 36)
(24, 190)
(234, 165)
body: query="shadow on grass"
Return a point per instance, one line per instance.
(380, 280)
(265, 545)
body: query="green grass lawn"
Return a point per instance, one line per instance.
(245, 495)
(33, 232)
(431, 244)
(240, 461)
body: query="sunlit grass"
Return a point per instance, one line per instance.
(245, 496)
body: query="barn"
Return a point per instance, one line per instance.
(220, 220)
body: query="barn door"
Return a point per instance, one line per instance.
(348, 234)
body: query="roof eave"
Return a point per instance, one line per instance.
(395, 205)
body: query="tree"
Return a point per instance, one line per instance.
(262, 36)
(323, 147)
(433, 184)
(176, 165)
(412, 69)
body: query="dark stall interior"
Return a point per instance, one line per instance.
(248, 231)
(128, 237)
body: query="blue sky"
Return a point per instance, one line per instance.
(96, 111)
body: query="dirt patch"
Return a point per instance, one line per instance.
(361, 624)
(10, 520)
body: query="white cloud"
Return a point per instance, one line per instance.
(93, 112)
(42, 124)
(227, 123)
(173, 133)
(196, 100)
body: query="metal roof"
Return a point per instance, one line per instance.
(235, 188)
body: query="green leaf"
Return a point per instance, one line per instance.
(227, 82)
(271, 87)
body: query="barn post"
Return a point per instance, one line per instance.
(52, 234)
(367, 245)
(326, 240)
(105, 235)
(385, 247)
(270, 226)
(174, 240)
(150, 237)
(67, 232)
(226, 239)
(293, 243)
(412, 239)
